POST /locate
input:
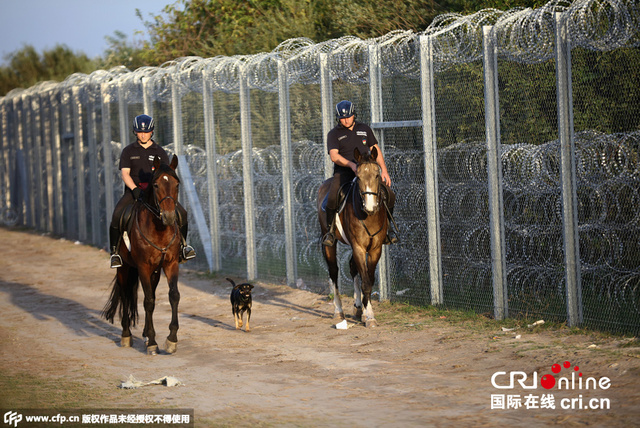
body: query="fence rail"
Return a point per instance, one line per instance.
(512, 139)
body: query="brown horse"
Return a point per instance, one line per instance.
(154, 246)
(362, 224)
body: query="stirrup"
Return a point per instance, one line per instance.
(116, 261)
(329, 240)
(187, 253)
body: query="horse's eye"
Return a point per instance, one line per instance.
(155, 185)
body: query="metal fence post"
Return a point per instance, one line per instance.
(494, 173)
(56, 157)
(568, 173)
(431, 169)
(326, 89)
(247, 176)
(176, 110)
(287, 174)
(92, 123)
(123, 112)
(28, 158)
(212, 172)
(39, 219)
(147, 102)
(5, 184)
(109, 192)
(79, 169)
(375, 93)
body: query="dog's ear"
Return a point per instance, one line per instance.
(231, 281)
(251, 286)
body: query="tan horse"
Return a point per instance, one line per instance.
(362, 224)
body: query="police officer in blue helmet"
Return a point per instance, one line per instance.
(346, 136)
(136, 169)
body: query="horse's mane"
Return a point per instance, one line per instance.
(165, 169)
(367, 158)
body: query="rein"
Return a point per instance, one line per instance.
(156, 212)
(353, 196)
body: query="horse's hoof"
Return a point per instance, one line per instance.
(371, 323)
(125, 342)
(338, 316)
(152, 350)
(170, 347)
(357, 312)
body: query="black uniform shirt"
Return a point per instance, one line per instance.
(346, 140)
(140, 161)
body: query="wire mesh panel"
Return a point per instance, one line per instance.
(61, 144)
(463, 194)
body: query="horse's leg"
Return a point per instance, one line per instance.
(370, 272)
(366, 269)
(122, 277)
(171, 272)
(149, 288)
(330, 255)
(357, 290)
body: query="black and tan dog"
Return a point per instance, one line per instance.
(241, 302)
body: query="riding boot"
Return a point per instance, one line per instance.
(329, 240)
(114, 240)
(391, 237)
(186, 251)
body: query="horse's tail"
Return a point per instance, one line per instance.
(124, 297)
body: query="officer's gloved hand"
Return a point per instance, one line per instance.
(137, 193)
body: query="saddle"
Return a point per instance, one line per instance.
(126, 219)
(342, 196)
(344, 191)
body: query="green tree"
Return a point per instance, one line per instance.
(26, 67)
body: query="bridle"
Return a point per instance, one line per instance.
(365, 193)
(362, 196)
(156, 211)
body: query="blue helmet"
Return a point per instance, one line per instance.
(143, 123)
(345, 109)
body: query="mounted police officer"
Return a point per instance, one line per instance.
(136, 168)
(346, 136)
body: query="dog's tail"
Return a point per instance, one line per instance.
(231, 281)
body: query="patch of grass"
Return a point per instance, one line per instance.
(25, 390)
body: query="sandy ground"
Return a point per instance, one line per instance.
(294, 368)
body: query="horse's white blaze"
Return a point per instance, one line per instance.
(166, 178)
(370, 200)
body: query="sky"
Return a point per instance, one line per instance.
(81, 25)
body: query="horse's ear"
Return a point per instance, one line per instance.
(374, 153)
(356, 155)
(156, 162)
(174, 162)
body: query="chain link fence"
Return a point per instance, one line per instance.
(512, 139)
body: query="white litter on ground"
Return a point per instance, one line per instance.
(133, 383)
(342, 325)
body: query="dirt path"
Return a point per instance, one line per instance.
(293, 368)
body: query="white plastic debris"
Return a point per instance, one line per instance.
(518, 336)
(507, 329)
(539, 322)
(342, 325)
(133, 383)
